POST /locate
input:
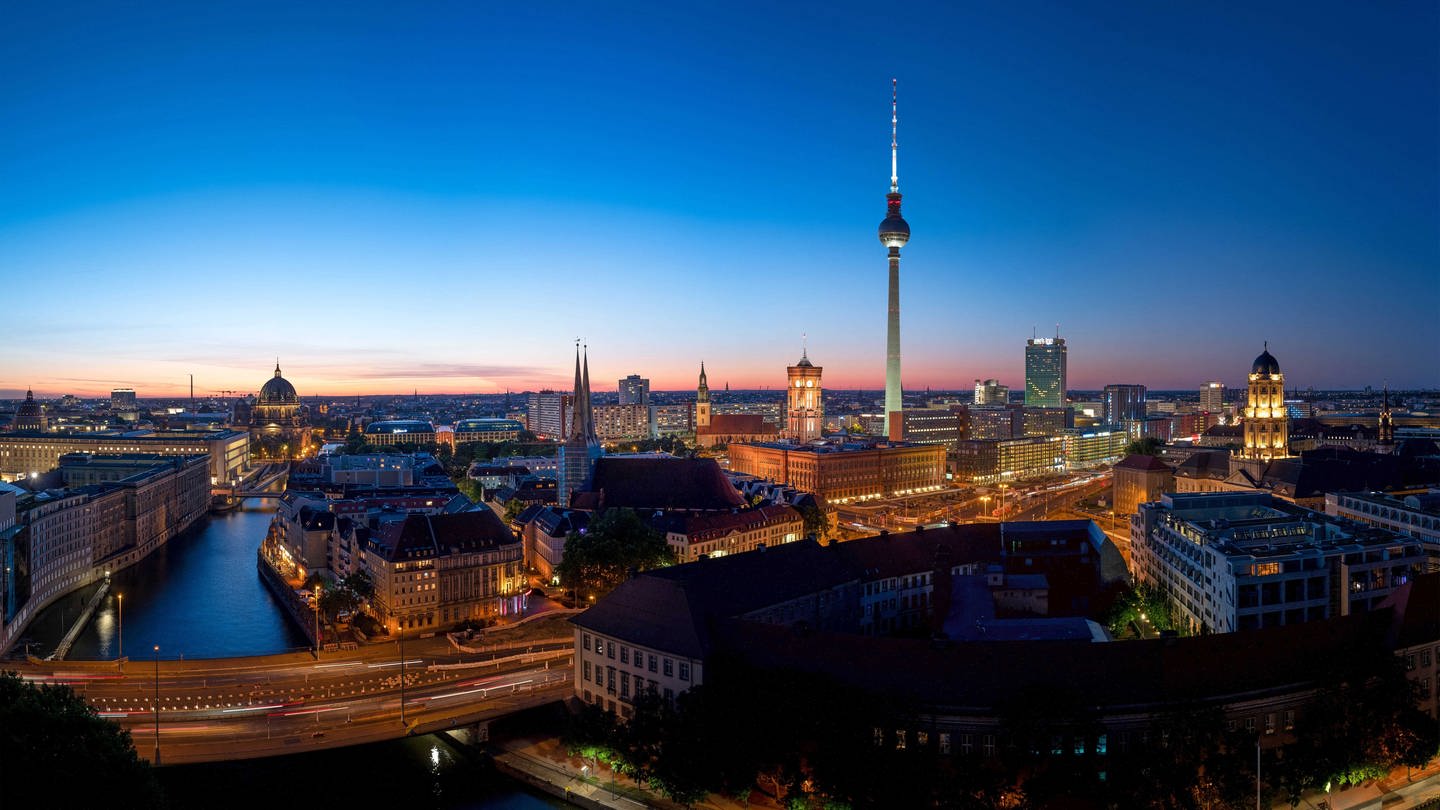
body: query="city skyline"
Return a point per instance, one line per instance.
(387, 216)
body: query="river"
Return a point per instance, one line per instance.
(199, 596)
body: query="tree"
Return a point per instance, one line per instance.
(1148, 446)
(513, 508)
(49, 735)
(815, 523)
(601, 556)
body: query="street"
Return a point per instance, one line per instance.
(241, 708)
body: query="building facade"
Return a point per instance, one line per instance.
(620, 423)
(1139, 479)
(400, 431)
(1123, 402)
(1233, 562)
(29, 454)
(547, 414)
(1212, 397)
(845, 472)
(488, 430)
(991, 392)
(433, 571)
(1045, 372)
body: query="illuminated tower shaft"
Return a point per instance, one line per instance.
(894, 233)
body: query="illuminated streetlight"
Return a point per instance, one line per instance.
(157, 705)
(120, 599)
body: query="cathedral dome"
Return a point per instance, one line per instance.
(277, 391)
(1265, 363)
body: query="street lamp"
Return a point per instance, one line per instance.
(401, 630)
(318, 586)
(985, 505)
(157, 705)
(120, 600)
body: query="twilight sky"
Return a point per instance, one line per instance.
(444, 196)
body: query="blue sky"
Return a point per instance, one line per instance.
(444, 195)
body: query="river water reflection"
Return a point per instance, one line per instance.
(199, 596)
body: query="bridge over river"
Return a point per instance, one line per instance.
(181, 712)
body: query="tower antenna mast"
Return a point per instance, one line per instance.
(894, 124)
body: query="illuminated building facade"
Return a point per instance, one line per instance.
(617, 423)
(845, 472)
(433, 571)
(1232, 561)
(1266, 423)
(1045, 369)
(991, 392)
(29, 454)
(1212, 397)
(400, 431)
(804, 409)
(488, 430)
(1121, 403)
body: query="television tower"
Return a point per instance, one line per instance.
(894, 233)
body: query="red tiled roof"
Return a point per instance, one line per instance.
(738, 424)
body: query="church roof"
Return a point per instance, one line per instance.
(659, 483)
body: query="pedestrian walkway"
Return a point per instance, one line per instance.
(1403, 789)
(543, 763)
(80, 623)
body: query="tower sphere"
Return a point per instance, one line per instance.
(894, 230)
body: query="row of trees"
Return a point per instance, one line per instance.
(814, 742)
(56, 751)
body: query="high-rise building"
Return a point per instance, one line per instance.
(991, 392)
(634, 390)
(1122, 402)
(894, 233)
(1267, 423)
(804, 409)
(547, 414)
(581, 447)
(1212, 397)
(123, 404)
(1045, 372)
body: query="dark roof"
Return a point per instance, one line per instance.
(659, 483)
(1265, 364)
(705, 525)
(1104, 675)
(673, 608)
(889, 555)
(1139, 461)
(438, 535)
(738, 424)
(1214, 465)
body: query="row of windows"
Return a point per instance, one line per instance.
(654, 662)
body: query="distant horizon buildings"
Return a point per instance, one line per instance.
(1045, 371)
